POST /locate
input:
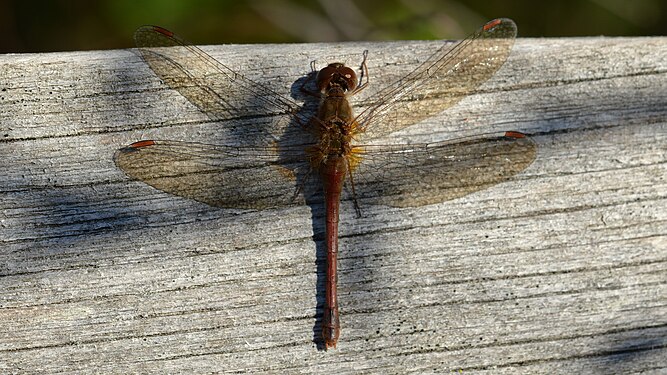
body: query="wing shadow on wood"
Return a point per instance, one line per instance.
(637, 346)
(65, 219)
(61, 213)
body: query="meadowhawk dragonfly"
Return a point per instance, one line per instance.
(299, 156)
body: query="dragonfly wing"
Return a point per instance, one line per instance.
(445, 78)
(416, 175)
(217, 90)
(220, 176)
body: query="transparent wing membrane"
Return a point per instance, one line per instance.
(440, 82)
(421, 174)
(220, 176)
(217, 90)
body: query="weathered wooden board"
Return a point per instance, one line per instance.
(563, 269)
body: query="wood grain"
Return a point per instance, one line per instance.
(563, 269)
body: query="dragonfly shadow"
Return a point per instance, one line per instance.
(260, 168)
(310, 183)
(318, 215)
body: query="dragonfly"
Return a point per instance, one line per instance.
(332, 153)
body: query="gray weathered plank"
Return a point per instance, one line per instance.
(563, 269)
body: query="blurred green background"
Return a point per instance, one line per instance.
(62, 25)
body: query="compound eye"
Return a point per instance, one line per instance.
(349, 76)
(324, 77)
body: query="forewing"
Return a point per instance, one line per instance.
(444, 79)
(220, 176)
(416, 175)
(217, 90)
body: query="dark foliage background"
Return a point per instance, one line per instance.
(65, 25)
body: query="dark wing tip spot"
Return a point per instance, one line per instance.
(140, 144)
(493, 23)
(163, 31)
(136, 146)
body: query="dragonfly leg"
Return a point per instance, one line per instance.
(364, 75)
(310, 77)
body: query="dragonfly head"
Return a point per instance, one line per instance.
(336, 74)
